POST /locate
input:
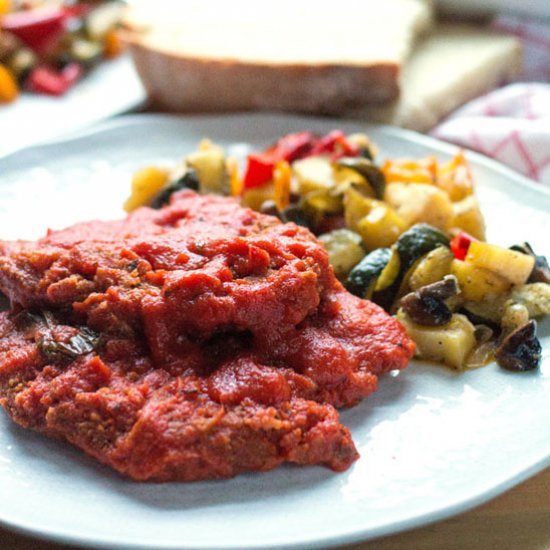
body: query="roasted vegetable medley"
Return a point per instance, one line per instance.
(47, 46)
(406, 234)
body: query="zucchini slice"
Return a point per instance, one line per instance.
(356, 205)
(431, 268)
(383, 270)
(417, 241)
(364, 276)
(381, 226)
(366, 168)
(188, 180)
(389, 273)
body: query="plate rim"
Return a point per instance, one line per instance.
(128, 120)
(95, 81)
(355, 537)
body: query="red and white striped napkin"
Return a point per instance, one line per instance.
(512, 124)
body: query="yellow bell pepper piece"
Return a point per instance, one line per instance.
(416, 171)
(9, 90)
(235, 181)
(5, 6)
(282, 177)
(113, 45)
(455, 178)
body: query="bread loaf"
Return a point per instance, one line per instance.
(290, 56)
(453, 65)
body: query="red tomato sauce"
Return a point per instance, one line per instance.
(197, 341)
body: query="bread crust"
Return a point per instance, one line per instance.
(180, 83)
(480, 61)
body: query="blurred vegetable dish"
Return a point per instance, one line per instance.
(47, 47)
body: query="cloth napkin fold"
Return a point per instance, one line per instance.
(512, 124)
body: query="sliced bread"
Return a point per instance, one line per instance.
(453, 65)
(294, 56)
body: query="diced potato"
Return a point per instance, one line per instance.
(455, 178)
(509, 264)
(255, 197)
(381, 227)
(146, 183)
(450, 344)
(209, 163)
(313, 174)
(420, 202)
(431, 268)
(344, 250)
(477, 284)
(535, 297)
(468, 217)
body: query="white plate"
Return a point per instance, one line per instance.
(113, 87)
(532, 8)
(432, 442)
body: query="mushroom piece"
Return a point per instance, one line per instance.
(541, 271)
(427, 306)
(520, 350)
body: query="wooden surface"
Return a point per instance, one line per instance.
(517, 520)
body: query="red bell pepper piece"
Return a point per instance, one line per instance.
(460, 244)
(336, 144)
(77, 11)
(39, 29)
(259, 168)
(48, 81)
(294, 146)
(71, 73)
